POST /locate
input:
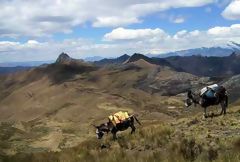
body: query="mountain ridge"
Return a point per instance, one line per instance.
(52, 108)
(119, 60)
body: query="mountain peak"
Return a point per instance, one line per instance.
(63, 58)
(235, 54)
(107, 61)
(137, 56)
(124, 56)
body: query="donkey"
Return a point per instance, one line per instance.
(204, 101)
(110, 127)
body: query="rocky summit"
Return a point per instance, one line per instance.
(63, 58)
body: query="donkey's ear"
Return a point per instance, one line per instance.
(94, 125)
(189, 94)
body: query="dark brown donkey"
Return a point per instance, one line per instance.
(221, 98)
(110, 127)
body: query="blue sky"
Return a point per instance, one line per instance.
(40, 30)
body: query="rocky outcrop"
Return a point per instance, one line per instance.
(64, 58)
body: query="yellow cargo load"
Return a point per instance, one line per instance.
(118, 117)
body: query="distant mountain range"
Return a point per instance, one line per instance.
(203, 51)
(118, 60)
(6, 70)
(207, 66)
(93, 58)
(196, 64)
(177, 60)
(11, 67)
(27, 63)
(166, 76)
(213, 51)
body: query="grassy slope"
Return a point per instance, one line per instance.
(42, 115)
(184, 139)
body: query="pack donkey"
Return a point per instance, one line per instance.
(220, 96)
(110, 127)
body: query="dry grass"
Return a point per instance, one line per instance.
(185, 139)
(150, 143)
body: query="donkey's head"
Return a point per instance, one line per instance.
(189, 100)
(101, 130)
(192, 98)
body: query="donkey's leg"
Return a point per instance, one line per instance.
(222, 106)
(225, 109)
(205, 112)
(131, 124)
(114, 135)
(133, 128)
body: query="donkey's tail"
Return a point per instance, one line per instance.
(135, 117)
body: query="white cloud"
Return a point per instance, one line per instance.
(159, 41)
(43, 18)
(114, 21)
(178, 20)
(44, 51)
(232, 31)
(32, 42)
(232, 11)
(8, 43)
(120, 41)
(133, 34)
(194, 33)
(180, 34)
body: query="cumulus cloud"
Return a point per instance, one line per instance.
(44, 51)
(43, 18)
(232, 11)
(232, 31)
(159, 41)
(32, 42)
(114, 21)
(133, 34)
(120, 41)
